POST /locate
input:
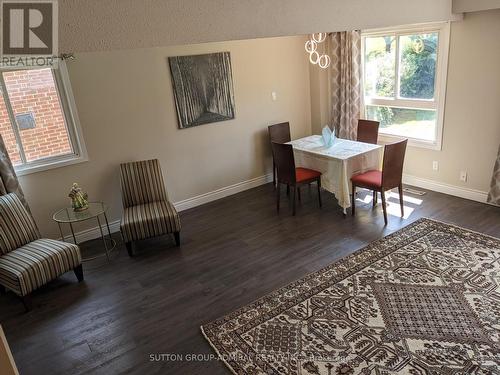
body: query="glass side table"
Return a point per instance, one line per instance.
(96, 209)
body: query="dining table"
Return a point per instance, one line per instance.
(337, 163)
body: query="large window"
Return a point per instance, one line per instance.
(404, 82)
(37, 120)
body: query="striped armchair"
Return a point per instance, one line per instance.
(147, 210)
(27, 261)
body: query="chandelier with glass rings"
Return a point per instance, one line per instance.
(311, 46)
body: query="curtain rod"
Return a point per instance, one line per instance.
(67, 56)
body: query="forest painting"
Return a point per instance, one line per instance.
(203, 88)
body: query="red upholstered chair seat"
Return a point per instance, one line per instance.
(290, 175)
(304, 174)
(390, 177)
(368, 179)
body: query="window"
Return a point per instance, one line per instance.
(404, 80)
(38, 122)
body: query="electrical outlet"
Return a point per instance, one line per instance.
(274, 96)
(463, 176)
(435, 165)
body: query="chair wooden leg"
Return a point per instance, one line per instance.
(375, 197)
(274, 175)
(319, 192)
(353, 200)
(278, 193)
(177, 236)
(294, 204)
(400, 189)
(79, 273)
(130, 251)
(298, 193)
(26, 300)
(384, 206)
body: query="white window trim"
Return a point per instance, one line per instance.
(440, 83)
(68, 105)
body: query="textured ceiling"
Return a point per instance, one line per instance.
(99, 25)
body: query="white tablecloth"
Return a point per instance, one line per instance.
(337, 163)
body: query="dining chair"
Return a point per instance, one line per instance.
(279, 133)
(368, 131)
(381, 181)
(290, 175)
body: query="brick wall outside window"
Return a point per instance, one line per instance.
(34, 91)
(8, 135)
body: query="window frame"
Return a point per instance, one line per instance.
(437, 104)
(72, 122)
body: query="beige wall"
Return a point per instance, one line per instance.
(126, 110)
(100, 25)
(320, 94)
(472, 112)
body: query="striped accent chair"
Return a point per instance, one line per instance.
(27, 261)
(147, 210)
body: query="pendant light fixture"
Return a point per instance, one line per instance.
(311, 46)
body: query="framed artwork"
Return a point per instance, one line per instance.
(203, 88)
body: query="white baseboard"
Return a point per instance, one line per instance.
(222, 192)
(472, 194)
(114, 226)
(92, 233)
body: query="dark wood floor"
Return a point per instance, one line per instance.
(234, 251)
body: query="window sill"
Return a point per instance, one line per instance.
(50, 164)
(412, 142)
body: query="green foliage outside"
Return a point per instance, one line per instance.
(417, 75)
(418, 66)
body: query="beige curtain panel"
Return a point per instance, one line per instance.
(494, 195)
(345, 50)
(8, 178)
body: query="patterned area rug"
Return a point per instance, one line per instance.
(424, 300)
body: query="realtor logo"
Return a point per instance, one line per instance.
(29, 32)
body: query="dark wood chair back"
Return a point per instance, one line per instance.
(392, 169)
(368, 131)
(279, 133)
(285, 162)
